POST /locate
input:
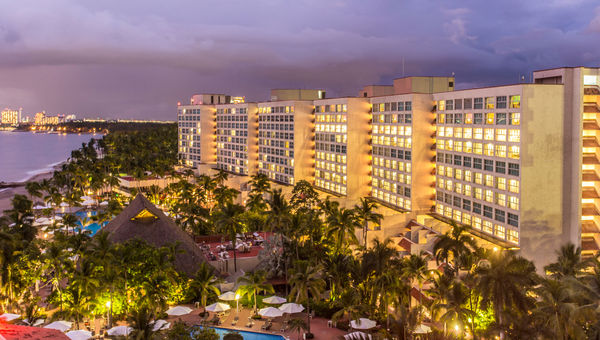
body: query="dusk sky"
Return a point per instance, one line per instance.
(137, 59)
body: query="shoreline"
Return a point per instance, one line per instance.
(18, 188)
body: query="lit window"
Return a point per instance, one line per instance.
(468, 147)
(489, 149)
(513, 152)
(489, 134)
(468, 175)
(513, 186)
(489, 196)
(478, 178)
(478, 193)
(501, 135)
(477, 223)
(478, 133)
(501, 199)
(500, 150)
(487, 227)
(489, 102)
(477, 148)
(515, 102)
(514, 136)
(467, 133)
(489, 118)
(468, 118)
(500, 231)
(489, 180)
(513, 235)
(441, 105)
(457, 133)
(501, 183)
(467, 190)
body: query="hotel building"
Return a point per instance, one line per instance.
(10, 117)
(519, 164)
(196, 124)
(237, 138)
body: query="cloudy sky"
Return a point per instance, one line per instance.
(138, 58)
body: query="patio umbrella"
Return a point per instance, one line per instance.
(104, 203)
(119, 330)
(270, 312)
(8, 317)
(228, 296)
(62, 326)
(274, 300)
(89, 202)
(218, 307)
(64, 204)
(422, 329)
(291, 308)
(357, 335)
(83, 198)
(363, 323)
(160, 325)
(179, 310)
(35, 323)
(79, 335)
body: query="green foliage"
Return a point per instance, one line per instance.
(205, 334)
(233, 336)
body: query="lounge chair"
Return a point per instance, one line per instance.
(235, 320)
(249, 324)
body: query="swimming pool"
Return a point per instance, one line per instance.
(91, 227)
(248, 335)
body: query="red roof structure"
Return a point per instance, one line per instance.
(14, 332)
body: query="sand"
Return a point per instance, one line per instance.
(6, 195)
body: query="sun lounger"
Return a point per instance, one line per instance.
(235, 320)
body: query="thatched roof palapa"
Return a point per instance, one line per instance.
(142, 220)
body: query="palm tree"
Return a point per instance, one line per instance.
(365, 213)
(298, 325)
(304, 195)
(505, 280)
(252, 283)
(457, 243)
(415, 270)
(454, 307)
(141, 320)
(221, 176)
(558, 310)
(34, 189)
(228, 221)
(569, 263)
(205, 283)
(70, 221)
(306, 282)
(341, 228)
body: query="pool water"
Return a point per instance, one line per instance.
(92, 227)
(248, 335)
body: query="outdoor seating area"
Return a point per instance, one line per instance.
(247, 245)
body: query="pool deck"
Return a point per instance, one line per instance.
(318, 326)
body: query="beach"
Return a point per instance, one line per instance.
(7, 194)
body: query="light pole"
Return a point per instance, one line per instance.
(237, 303)
(108, 313)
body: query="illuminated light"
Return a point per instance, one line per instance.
(108, 304)
(495, 249)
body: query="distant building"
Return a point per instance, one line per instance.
(42, 119)
(10, 117)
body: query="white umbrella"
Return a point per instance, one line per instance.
(8, 317)
(291, 308)
(64, 204)
(58, 218)
(363, 323)
(228, 296)
(79, 335)
(35, 324)
(40, 207)
(422, 329)
(84, 198)
(274, 300)
(160, 325)
(119, 330)
(270, 312)
(104, 203)
(62, 326)
(218, 307)
(357, 335)
(89, 202)
(179, 310)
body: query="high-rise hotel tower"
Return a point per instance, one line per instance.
(519, 164)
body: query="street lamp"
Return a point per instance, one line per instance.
(108, 313)
(237, 303)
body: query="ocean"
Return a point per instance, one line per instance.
(26, 154)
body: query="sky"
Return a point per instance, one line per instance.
(138, 58)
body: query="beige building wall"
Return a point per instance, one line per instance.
(423, 85)
(196, 135)
(297, 94)
(343, 151)
(237, 138)
(286, 141)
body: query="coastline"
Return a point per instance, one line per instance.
(18, 188)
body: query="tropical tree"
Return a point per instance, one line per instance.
(298, 325)
(454, 244)
(252, 283)
(228, 222)
(365, 212)
(341, 225)
(505, 281)
(204, 283)
(306, 282)
(568, 264)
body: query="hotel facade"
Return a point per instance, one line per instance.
(518, 164)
